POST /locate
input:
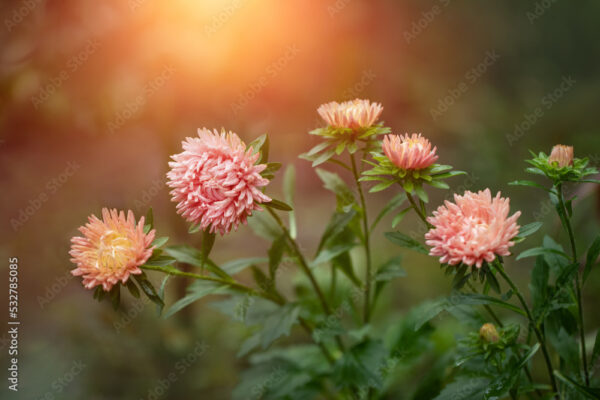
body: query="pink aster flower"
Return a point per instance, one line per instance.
(409, 152)
(474, 229)
(353, 114)
(111, 249)
(562, 155)
(215, 181)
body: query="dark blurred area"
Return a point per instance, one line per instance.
(95, 96)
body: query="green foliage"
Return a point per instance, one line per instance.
(570, 173)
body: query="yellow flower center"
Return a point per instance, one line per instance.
(114, 251)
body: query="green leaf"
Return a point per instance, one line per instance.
(332, 182)
(344, 263)
(403, 240)
(160, 260)
(133, 289)
(329, 253)
(289, 186)
(161, 293)
(421, 193)
(318, 148)
(194, 228)
(208, 241)
(324, 156)
(261, 144)
(400, 216)
(190, 255)
(591, 258)
(539, 284)
(275, 255)
(149, 221)
(159, 242)
(147, 288)
(272, 167)
(361, 366)
(235, 266)
(278, 205)
(529, 229)
(279, 323)
(390, 270)
(528, 183)
(536, 251)
(465, 388)
(337, 224)
(394, 203)
(381, 186)
(264, 226)
(590, 393)
(195, 291)
(596, 352)
(482, 299)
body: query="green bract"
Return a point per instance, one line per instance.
(387, 173)
(339, 139)
(570, 173)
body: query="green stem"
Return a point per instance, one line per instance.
(306, 269)
(367, 241)
(539, 335)
(420, 213)
(561, 203)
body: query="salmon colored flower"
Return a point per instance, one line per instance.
(472, 230)
(215, 181)
(355, 114)
(409, 152)
(562, 155)
(110, 249)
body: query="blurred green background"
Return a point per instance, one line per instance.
(95, 96)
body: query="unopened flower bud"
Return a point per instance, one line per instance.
(489, 333)
(562, 155)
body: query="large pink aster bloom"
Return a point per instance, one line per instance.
(215, 181)
(472, 230)
(409, 152)
(353, 114)
(110, 249)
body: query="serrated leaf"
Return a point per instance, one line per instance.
(406, 241)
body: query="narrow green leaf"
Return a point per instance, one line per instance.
(529, 229)
(337, 224)
(481, 299)
(591, 257)
(536, 251)
(324, 156)
(276, 254)
(149, 221)
(208, 241)
(195, 292)
(398, 218)
(528, 183)
(329, 253)
(381, 186)
(406, 241)
(278, 205)
(158, 242)
(588, 392)
(132, 288)
(318, 148)
(289, 189)
(394, 203)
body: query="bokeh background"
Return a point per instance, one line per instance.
(95, 96)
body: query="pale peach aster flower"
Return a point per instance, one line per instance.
(472, 230)
(110, 249)
(561, 154)
(409, 152)
(215, 181)
(353, 114)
